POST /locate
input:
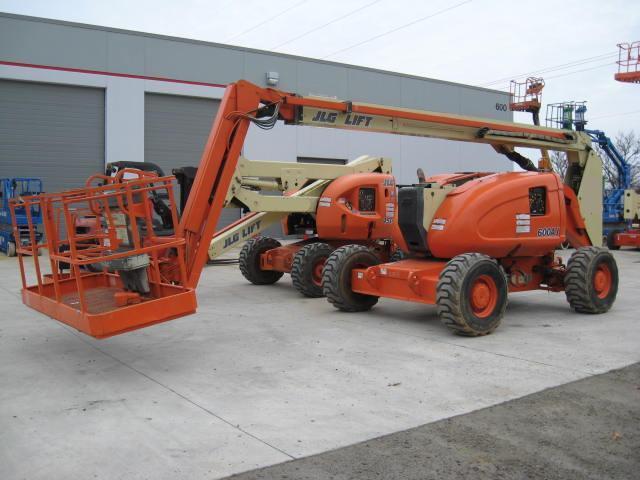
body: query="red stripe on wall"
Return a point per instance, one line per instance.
(111, 74)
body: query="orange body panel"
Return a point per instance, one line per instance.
(502, 224)
(339, 220)
(281, 258)
(412, 280)
(339, 216)
(416, 280)
(500, 205)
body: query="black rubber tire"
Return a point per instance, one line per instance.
(303, 267)
(11, 249)
(397, 255)
(336, 278)
(609, 241)
(250, 261)
(453, 294)
(579, 280)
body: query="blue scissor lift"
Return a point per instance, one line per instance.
(16, 188)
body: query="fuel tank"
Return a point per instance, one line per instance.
(360, 206)
(510, 213)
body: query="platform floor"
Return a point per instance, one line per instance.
(259, 376)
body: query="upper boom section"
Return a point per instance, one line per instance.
(321, 112)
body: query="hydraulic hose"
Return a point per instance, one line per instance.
(522, 161)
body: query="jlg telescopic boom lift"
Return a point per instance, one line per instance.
(498, 230)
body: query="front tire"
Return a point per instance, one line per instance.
(11, 249)
(250, 261)
(591, 281)
(307, 267)
(336, 278)
(471, 295)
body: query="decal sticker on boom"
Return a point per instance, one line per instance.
(323, 116)
(246, 231)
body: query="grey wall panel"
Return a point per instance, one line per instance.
(256, 66)
(322, 79)
(66, 44)
(126, 53)
(278, 144)
(483, 104)
(176, 129)
(373, 87)
(53, 132)
(438, 97)
(52, 44)
(200, 63)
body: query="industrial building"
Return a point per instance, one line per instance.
(75, 96)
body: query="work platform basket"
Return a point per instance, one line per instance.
(628, 62)
(526, 96)
(106, 265)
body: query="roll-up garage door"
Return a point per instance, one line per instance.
(52, 132)
(176, 129)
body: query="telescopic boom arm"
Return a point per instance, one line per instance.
(244, 103)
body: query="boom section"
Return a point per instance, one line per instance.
(328, 113)
(242, 102)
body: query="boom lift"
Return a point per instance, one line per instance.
(510, 221)
(264, 260)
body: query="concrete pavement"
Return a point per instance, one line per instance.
(260, 375)
(588, 429)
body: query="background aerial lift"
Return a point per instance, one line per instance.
(300, 187)
(11, 188)
(628, 72)
(628, 62)
(301, 207)
(512, 222)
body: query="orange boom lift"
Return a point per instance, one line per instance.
(510, 221)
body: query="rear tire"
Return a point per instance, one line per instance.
(307, 267)
(591, 281)
(11, 249)
(471, 295)
(610, 240)
(250, 261)
(336, 278)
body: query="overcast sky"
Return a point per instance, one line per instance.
(478, 42)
